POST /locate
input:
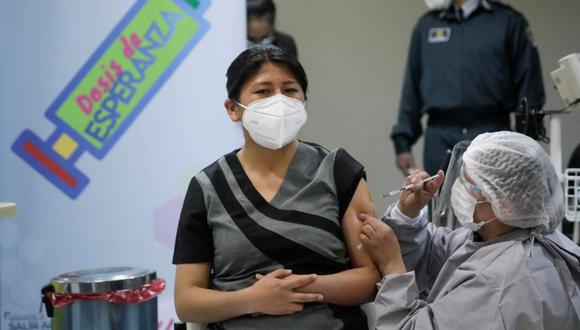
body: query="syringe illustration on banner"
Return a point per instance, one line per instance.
(113, 87)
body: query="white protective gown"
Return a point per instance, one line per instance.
(520, 280)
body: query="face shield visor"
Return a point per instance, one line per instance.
(443, 213)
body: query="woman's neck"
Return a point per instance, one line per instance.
(256, 158)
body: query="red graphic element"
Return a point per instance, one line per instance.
(47, 161)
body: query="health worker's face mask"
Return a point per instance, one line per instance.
(274, 122)
(463, 204)
(438, 4)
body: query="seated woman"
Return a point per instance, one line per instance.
(268, 233)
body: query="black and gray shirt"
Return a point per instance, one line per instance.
(226, 222)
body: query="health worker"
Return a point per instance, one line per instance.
(506, 268)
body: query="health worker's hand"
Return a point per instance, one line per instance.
(274, 294)
(413, 200)
(381, 244)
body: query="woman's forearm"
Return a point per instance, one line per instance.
(195, 304)
(351, 287)
(274, 294)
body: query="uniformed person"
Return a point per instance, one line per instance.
(470, 63)
(261, 16)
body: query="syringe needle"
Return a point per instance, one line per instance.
(407, 187)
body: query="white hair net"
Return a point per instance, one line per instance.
(517, 178)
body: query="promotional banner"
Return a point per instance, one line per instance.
(107, 109)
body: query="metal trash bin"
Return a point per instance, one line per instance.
(104, 299)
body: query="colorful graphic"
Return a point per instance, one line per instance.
(113, 87)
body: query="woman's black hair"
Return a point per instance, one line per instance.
(249, 62)
(261, 8)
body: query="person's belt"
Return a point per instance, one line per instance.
(469, 118)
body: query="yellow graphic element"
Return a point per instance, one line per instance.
(65, 146)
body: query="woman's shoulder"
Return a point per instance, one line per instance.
(314, 148)
(336, 153)
(345, 168)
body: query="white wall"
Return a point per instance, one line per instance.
(355, 51)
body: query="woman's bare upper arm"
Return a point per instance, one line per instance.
(188, 275)
(361, 202)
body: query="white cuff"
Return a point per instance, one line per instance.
(398, 215)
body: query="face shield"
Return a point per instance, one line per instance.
(443, 214)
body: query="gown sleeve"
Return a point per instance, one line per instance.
(473, 303)
(424, 246)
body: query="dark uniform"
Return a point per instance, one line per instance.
(467, 74)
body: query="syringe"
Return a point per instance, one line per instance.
(408, 186)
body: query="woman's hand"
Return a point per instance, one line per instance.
(274, 293)
(381, 244)
(413, 200)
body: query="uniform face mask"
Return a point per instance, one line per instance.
(274, 122)
(437, 4)
(463, 204)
